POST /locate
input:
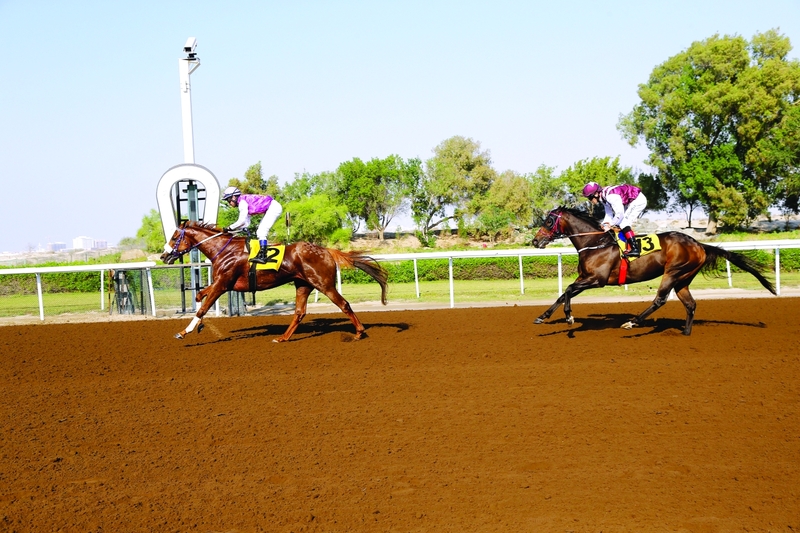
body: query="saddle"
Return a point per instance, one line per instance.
(275, 254)
(648, 244)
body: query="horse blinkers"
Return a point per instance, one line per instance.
(548, 231)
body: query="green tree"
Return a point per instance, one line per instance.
(722, 124)
(150, 235)
(452, 184)
(376, 191)
(547, 190)
(318, 219)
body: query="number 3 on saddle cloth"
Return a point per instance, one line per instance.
(647, 244)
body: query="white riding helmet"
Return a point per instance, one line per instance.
(230, 192)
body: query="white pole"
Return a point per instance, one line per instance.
(778, 271)
(416, 277)
(150, 286)
(728, 268)
(339, 279)
(560, 278)
(186, 66)
(102, 290)
(450, 269)
(521, 279)
(39, 292)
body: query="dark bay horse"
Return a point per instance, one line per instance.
(307, 265)
(679, 260)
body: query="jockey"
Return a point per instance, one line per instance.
(623, 204)
(253, 204)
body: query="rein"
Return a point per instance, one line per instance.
(180, 253)
(556, 232)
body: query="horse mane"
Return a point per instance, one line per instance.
(200, 225)
(582, 215)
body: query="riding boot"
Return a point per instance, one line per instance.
(632, 247)
(261, 256)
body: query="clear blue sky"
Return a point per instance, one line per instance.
(90, 114)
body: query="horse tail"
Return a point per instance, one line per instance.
(715, 253)
(364, 263)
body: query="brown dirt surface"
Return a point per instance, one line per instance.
(441, 420)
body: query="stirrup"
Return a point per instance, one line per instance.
(260, 257)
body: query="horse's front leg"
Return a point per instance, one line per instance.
(544, 316)
(571, 291)
(212, 293)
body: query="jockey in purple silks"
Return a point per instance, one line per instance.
(623, 204)
(253, 204)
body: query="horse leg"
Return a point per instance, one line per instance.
(212, 292)
(544, 316)
(660, 300)
(334, 296)
(300, 304)
(688, 302)
(571, 291)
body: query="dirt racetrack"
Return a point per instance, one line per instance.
(441, 420)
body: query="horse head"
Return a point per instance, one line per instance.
(177, 246)
(550, 230)
(565, 222)
(188, 236)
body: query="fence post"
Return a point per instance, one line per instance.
(416, 277)
(560, 277)
(728, 269)
(150, 287)
(39, 292)
(778, 271)
(450, 270)
(102, 290)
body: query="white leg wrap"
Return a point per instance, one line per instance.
(193, 324)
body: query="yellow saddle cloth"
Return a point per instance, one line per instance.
(274, 255)
(647, 243)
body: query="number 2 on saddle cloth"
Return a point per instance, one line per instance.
(647, 244)
(274, 255)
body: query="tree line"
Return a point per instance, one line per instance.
(721, 121)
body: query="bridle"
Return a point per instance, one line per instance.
(175, 254)
(553, 224)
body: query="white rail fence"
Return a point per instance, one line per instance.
(773, 245)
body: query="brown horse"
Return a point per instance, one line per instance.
(678, 257)
(307, 265)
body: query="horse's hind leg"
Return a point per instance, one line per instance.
(344, 305)
(544, 316)
(688, 302)
(300, 305)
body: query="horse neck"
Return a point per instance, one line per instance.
(211, 247)
(580, 232)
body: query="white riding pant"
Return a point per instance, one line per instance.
(633, 211)
(270, 216)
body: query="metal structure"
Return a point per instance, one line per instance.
(187, 191)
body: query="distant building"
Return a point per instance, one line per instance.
(56, 246)
(82, 243)
(100, 245)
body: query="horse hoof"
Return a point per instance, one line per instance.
(539, 320)
(628, 325)
(200, 327)
(178, 336)
(279, 339)
(570, 321)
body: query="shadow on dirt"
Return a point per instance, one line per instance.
(649, 327)
(308, 329)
